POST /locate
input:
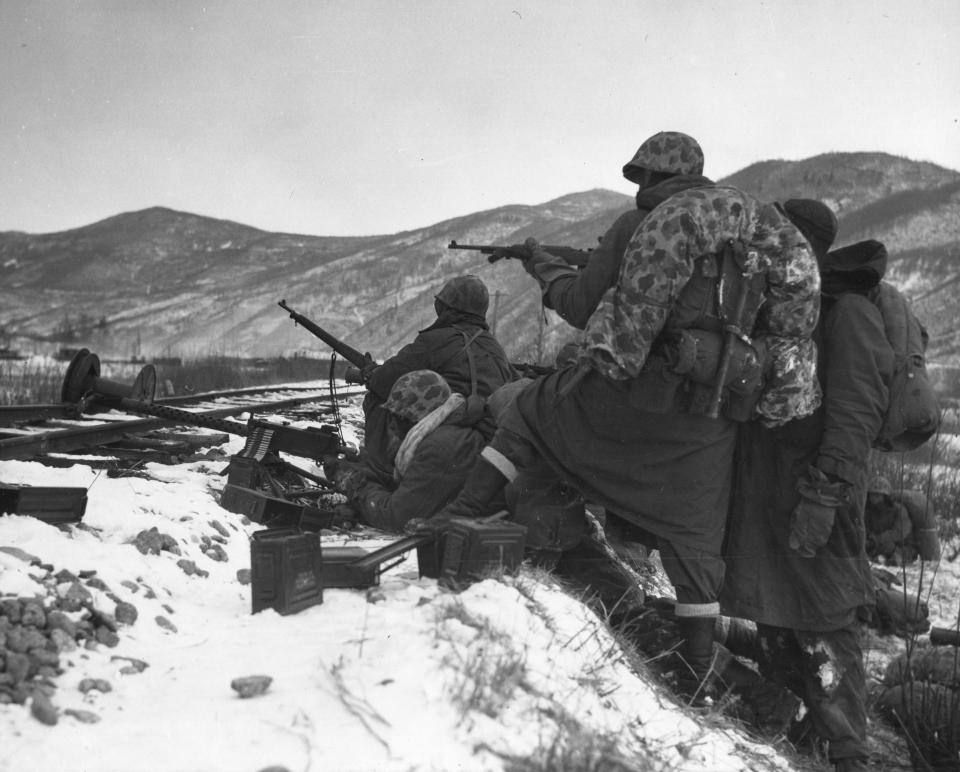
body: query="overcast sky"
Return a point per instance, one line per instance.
(357, 117)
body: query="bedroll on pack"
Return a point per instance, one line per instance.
(913, 414)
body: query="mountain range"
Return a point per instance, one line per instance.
(159, 282)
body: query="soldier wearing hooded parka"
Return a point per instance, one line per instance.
(795, 550)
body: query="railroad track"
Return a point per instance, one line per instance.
(101, 414)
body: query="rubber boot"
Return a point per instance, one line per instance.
(479, 491)
(695, 679)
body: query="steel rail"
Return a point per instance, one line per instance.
(65, 440)
(12, 415)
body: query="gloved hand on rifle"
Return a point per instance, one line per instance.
(812, 520)
(347, 476)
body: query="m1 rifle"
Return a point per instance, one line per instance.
(572, 255)
(363, 364)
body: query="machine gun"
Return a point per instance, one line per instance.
(573, 256)
(253, 468)
(362, 363)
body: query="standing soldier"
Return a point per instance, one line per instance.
(666, 163)
(708, 325)
(795, 556)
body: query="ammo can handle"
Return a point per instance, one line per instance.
(398, 547)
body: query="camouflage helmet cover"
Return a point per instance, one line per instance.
(671, 152)
(417, 393)
(466, 293)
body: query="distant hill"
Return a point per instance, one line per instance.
(171, 282)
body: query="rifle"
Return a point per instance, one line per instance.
(572, 255)
(360, 361)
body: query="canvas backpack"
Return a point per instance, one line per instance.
(913, 412)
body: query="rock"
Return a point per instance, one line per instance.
(243, 575)
(62, 640)
(98, 584)
(57, 620)
(126, 613)
(87, 573)
(89, 684)
(107, 637)
(133, 666)
(166, 624)
(149, 542)
(190, 568)
(216, 552)
(18, 553)
(10, 608)
(103, 619)
(32, 613)
(83, 716)
(73, 596)
(132, 586)
(42, 709)
(18, 666)
(251, 686)
(218, 527)
(65, 576)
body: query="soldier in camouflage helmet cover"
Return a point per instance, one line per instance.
(433, 442)
(458, 346)
(416, 394)
(633, 424)
(667, 151)
(665, 164)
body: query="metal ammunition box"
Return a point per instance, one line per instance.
(314, 519)
(473, 550)
(342, 569)
(260, 507)
(52, 505)
(286, 570)
(244, 472)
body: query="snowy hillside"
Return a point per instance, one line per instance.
(509, 674)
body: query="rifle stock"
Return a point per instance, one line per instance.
(572, 255)
(349, 353)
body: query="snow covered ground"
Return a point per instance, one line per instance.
(508, 674)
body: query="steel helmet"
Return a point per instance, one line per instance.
(466, 293)
(668, 151)
(417, 393)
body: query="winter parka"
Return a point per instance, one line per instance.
(765, 580)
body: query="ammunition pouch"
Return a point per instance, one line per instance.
(681, 373)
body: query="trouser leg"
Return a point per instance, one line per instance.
(696, 576)
(826, 670)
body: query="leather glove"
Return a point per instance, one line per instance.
(367, 371)
(810, 526)
(347, 477)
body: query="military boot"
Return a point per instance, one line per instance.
(696, 679)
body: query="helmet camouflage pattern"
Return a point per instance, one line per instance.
(466, 293)
(669, 151)
(416, 394)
